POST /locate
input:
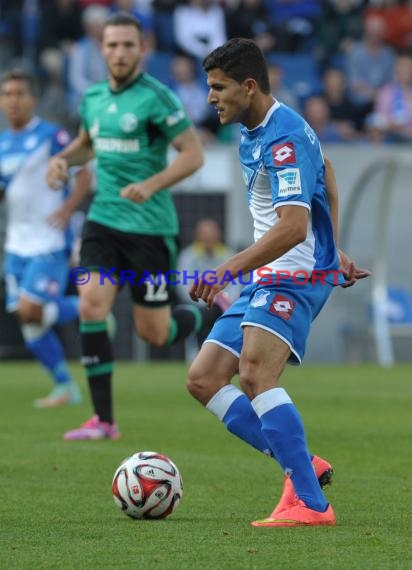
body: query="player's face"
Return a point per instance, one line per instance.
(230, 99)
(17, 103)
(123, 50)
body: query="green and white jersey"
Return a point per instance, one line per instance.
(130, 131)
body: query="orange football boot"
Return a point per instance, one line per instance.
(324, 473)
(298, 514)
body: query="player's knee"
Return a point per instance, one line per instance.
(28, 313)
(200, 385)
(91, 309)
(195, 385)
(23, 315)
(154, 335)
(154, 338)
(248, 375)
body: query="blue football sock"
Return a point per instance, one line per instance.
(49, 351)
(235, 410)
(283, 430)
(60, 311)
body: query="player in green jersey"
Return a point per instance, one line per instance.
(128, 123)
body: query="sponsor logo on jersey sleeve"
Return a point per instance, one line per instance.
(289, 182)
(283, 154)
(62, 137)
(175, 118)
(282, 307)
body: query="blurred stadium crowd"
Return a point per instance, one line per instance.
(346, 65)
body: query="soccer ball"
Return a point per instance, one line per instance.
(147, 485)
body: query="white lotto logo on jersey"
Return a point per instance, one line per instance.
(289, 182)
(283, 153)
(282, 306)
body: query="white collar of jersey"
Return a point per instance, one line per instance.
(270, 112)
(32, 124)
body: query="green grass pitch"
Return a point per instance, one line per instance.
(56, 508)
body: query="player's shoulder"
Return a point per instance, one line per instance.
(288, 122)
(150, 82)
(96, 89)
(53, 130)
(45, 125)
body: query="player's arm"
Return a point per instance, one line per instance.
(77, 153)
(350, 271)
(189, 158)
(288, 232)
(333, 197)
(81, 188)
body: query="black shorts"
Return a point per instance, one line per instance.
(138, 260)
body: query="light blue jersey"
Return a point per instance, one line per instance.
(282, 164)
(24, 156)
(36, 261)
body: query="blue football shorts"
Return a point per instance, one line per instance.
(39, 278)
(285, 310)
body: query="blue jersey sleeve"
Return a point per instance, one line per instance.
(291, 171)
(60, 139)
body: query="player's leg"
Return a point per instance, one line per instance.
(159, 321)
(60, 311)
(96, 300)
(55, 308)
(98, 253)
(209, 384)
(42, 280)
(46, 347)
(212, 370)
(270, 339)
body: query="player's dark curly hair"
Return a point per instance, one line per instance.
(240, 58)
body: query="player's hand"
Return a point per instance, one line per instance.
(138, 192)
(351, 272)
(57, 172)
(209, 284)
(60, 218)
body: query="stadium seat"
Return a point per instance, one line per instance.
(158, 65)
(398, 307)
(360, 342)
(300, 73)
